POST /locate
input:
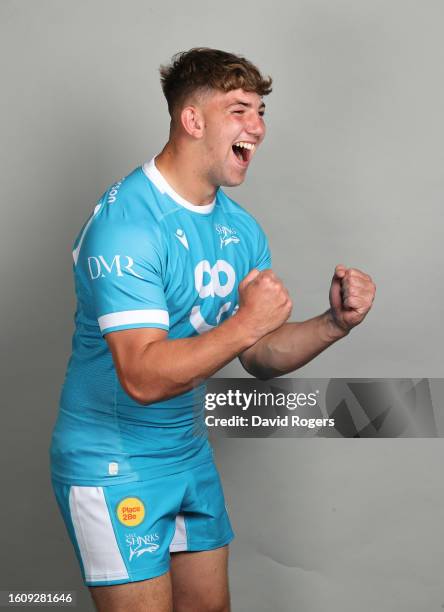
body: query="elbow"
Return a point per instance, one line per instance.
(266, 364)
(257, 372)
(137, 394)
(261, 371)
(266, 373)
(263, 374)
(153, 390)
(142, 394)
(254, 369)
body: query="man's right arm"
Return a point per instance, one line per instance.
(153, 368)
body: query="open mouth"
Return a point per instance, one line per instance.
(243, 151)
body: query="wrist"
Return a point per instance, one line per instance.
(244, 329)
(332, 329)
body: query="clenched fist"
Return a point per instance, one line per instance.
(264, 302)
(351, 296)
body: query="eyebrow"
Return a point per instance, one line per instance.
(247, 104)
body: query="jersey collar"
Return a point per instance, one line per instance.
(151, 171)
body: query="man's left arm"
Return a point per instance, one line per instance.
(294, 344)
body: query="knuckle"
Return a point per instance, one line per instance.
(352, 283)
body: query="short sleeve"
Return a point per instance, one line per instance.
(122, 270)
(263, 257)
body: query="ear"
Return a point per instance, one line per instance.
(192, 121)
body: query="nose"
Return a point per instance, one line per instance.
(256, 126)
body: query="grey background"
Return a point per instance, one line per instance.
(351, 171)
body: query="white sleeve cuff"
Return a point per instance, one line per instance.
(133, 317)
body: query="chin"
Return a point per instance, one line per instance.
(233, 181)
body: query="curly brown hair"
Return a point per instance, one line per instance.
(202, 68)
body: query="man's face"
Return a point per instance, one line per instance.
(234, 128)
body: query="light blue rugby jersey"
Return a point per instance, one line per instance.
(146, 258)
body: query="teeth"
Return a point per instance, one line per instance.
(245, 145)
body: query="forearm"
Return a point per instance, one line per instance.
(169, 367)
(291, 346)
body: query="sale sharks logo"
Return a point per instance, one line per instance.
(139, 545)
(226, 235)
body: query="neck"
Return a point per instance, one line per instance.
(180, 168)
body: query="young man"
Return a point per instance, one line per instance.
(173, 281)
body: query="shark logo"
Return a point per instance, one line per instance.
(226, 235)
(139, 545)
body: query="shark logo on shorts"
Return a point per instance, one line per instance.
(139, 545)
(226, 235)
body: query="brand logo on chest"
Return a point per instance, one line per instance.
(181, 236)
